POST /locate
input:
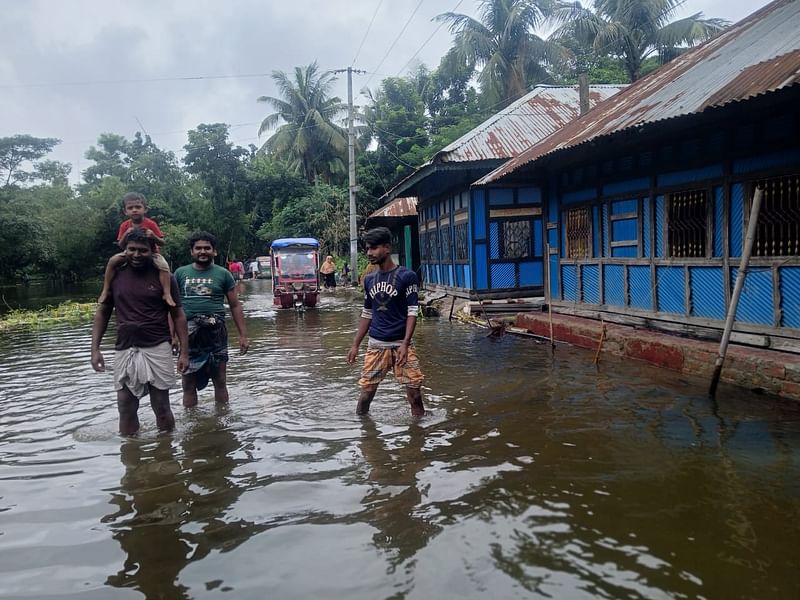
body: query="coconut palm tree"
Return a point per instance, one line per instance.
(503, 45)
(308, 140)
(634, 29)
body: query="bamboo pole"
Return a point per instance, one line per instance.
(600, 345)
(547, 294)
(737, 288)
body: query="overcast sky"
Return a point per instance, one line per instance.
(73, 69)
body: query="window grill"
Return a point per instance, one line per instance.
(444, 234)
(433, 245)
(578, 233)
(687, 228)
(462, 246)
(778, 229)
(516, 240)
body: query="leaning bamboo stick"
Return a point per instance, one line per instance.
(737, 289)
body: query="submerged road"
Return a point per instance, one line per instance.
(531, 476)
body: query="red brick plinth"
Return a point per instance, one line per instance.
(774, 372)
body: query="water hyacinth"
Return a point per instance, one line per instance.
(68, 312)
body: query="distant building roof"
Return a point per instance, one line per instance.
(514, 129)
(760, 54)
(399, 207)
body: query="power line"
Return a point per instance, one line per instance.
(118, 81)
(399, 35)
(425, 43)
(366, 33)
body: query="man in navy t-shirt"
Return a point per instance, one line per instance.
(390, 316)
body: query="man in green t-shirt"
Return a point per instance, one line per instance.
(204, 286)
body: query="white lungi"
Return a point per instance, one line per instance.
(135, 368)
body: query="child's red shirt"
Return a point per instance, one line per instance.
(146, 224)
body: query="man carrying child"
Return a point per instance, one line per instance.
(134, 205)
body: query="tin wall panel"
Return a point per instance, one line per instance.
(766, 161)
(468, 277)
(501, 196)
(707, 292)
(624, 230)
(554, 278)
(614, 285)
(552, 238)
(569, 275)
(639, 288)
(671, 290)
(503, 276)
(494, 240)
(621, 207)
(531, 274)
(646, 227)
(579, 196)
(597, 236)
(563, 247)
(538, 233)
(737, 219)
(624, 252)
(620, 187)
(790, 296)
(659, 227)
(529, 195)
(590, 277)
(552, 207)
(689, 176)
(755, 302)
(718, 221)
(451, 278)
(478, 214)
(481, 267)
(606, 245)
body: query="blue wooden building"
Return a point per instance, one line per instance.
(646, 198)
(489, 242)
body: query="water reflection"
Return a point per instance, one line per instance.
(536, 475)
(394, 502)
(172, 507)
(153, 502)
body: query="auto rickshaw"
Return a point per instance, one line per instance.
(295, 263)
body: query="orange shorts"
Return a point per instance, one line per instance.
(379, 361)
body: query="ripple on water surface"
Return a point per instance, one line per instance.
(532, 475)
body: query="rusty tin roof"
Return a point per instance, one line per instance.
(399, 207)
(516, 128)
(757, 55)
(530, 119)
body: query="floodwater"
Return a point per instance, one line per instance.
(532, 476)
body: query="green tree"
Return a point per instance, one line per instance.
(503, 45)
(221, 206)
(308, 139)
(634, 30)
(19, 149)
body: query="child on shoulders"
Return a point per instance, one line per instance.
(134, 205)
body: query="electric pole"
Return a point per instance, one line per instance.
(351, 159)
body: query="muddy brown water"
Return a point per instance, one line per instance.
(531, 476)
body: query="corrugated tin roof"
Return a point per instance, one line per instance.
(759, 54)
(399, 207)
(516, 128)
(525, 122)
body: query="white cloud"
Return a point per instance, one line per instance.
(66, 42)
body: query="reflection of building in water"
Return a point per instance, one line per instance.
(153, 502)
(393, 505)
(161, 492)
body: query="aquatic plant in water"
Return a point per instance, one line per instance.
(68, 312)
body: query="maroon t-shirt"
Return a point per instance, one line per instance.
(141, 310)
